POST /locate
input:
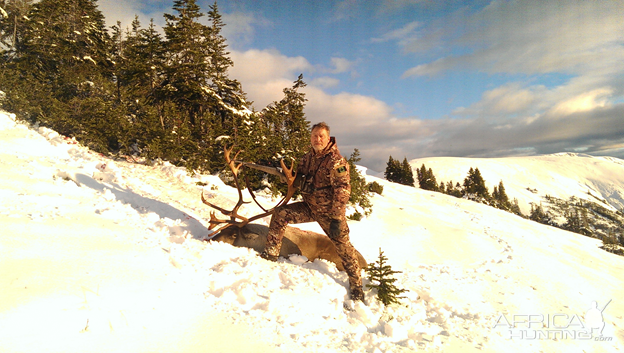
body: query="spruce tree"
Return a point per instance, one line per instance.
(139, 67)
(474, 186)
(280, 131)
(197, 114)
(65, 73)
(398, 172)
(12, 17)
(500, 197)
(407, 175)
(381, 275)
(186, 72)
(538, 215)
(393, 170)
(426, 179)
(359, 188)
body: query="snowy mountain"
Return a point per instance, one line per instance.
(107, 256)
(530, 179)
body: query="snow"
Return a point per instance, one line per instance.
(108, 256)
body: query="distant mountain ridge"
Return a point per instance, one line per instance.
(575, 192)
(530, 179)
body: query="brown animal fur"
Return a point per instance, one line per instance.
(296, 241)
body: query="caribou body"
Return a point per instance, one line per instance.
(296, 241)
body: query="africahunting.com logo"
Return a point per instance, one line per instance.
(559, 326)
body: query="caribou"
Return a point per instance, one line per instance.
(239, 231)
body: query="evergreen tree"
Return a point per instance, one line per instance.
(12, 18)
(64, 73)
(453, 189)
(426, 179)
(381, 275)
(538, 215)
(186, 72)
(359, 188)
(139, 62)
(229, 91)
(281, 130)
(407, 175)
(474, 186)
(193, 79)
(393, 170)
(573, 221)
(500, 197)
(398, 172)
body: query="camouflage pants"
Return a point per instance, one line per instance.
(300, 212)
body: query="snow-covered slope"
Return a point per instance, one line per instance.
(529, 179)
(103, 256)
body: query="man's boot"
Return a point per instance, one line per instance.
(357, 294)
(265, 255)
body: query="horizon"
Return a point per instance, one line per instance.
(415, 79)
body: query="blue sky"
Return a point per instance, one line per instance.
(421, 78)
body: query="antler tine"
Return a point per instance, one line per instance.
(214, 221)
(235, 218)
(290, 180)
(232, 162)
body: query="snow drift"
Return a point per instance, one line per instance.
(107, 256)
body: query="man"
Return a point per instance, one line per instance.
(326, 189)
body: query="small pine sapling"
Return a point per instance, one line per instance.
(381, 277)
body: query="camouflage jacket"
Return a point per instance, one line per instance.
(331, 181)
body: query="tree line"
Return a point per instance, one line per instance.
(135, 91)
(473, 186)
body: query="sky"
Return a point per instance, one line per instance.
(418, 78)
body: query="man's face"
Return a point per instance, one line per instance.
(319, 139)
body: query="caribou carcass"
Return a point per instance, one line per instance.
(296, 241)
(239, 231)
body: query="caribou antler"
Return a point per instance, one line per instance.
(290, 181)
(234, 218)
(233, 214)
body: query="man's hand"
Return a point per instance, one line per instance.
(334, 228)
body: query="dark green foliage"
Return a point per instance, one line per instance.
(280, 131)
(453, 189)
(359, 188)
(12, 26)
(474, 186)
(539, 215)
(375, 187)
(382, 278)
(60, 74)
(393, 170)
(398, 172)
(426, 179)
(500, 198)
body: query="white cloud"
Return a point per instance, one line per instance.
(240, 27)
(509, 99)
(265, 73)
(407, 31)
(585, 102)
(340, 65)
(325, 82)
(528, 37)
